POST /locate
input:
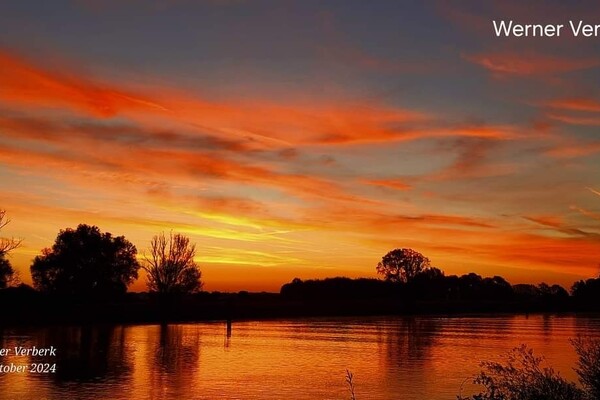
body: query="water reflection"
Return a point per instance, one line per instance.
(175, 352)
(408, 358)
(228, 329)
(409, 341)
(84, 353)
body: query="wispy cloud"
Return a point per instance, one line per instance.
(575, 104)
(527, 64)
(396, 184)
(596, 192)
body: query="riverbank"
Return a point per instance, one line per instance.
(26, 307)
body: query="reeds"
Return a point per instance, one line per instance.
(350, 383)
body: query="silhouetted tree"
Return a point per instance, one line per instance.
(587, 293)
(497, 289)
(336, 288)
(6, 244)
(552, 295)
(429, 284)
(526, 291)
(401, 265)
(7, 274)
(170, 267)
(86, 262)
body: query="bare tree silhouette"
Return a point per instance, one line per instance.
(7, 244)
(170, 266)
(7, 273)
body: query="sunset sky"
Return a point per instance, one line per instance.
(305, 138)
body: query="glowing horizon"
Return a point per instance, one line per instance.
(307, 149)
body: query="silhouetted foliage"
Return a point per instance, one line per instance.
(336, 288)
(523, 378)
(431, 290)
(170, 267)
(402, 265)
(429, 284)
(85, 262)
(6, 244)
(553, 296)
(586, 294)
(476, 287)
(588, 365)
(526, 291)
(7, 274)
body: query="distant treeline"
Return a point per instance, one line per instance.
(411, 284)
(469, 291)
(305, 298)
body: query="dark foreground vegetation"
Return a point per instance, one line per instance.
(524, 376)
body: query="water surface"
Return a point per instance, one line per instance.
(391, 358)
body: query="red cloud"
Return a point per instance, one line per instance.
(25, 84)
(259, 124)
(575, 104)
(575, 119)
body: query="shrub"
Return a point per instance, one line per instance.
(588, 365)
(523, 378)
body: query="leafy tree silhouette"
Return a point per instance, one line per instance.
(6, 272)
(402, 265)
(85, 262)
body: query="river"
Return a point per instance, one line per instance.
(391, 357)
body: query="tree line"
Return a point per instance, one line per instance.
(85, 262)
(408, 275)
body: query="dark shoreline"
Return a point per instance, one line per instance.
(33, 308)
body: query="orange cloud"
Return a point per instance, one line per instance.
(577, 256)
(395, 184)
(170, 165)
(575, 104)
(266, 124)
(556, 225)
(238, 171)
(25, 84)
(574, 111)
(587, 213)
(575, 120)
(574, 150)
(546, 220)
(258, 124)
(506, 246)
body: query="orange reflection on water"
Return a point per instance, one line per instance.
(415, 358)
